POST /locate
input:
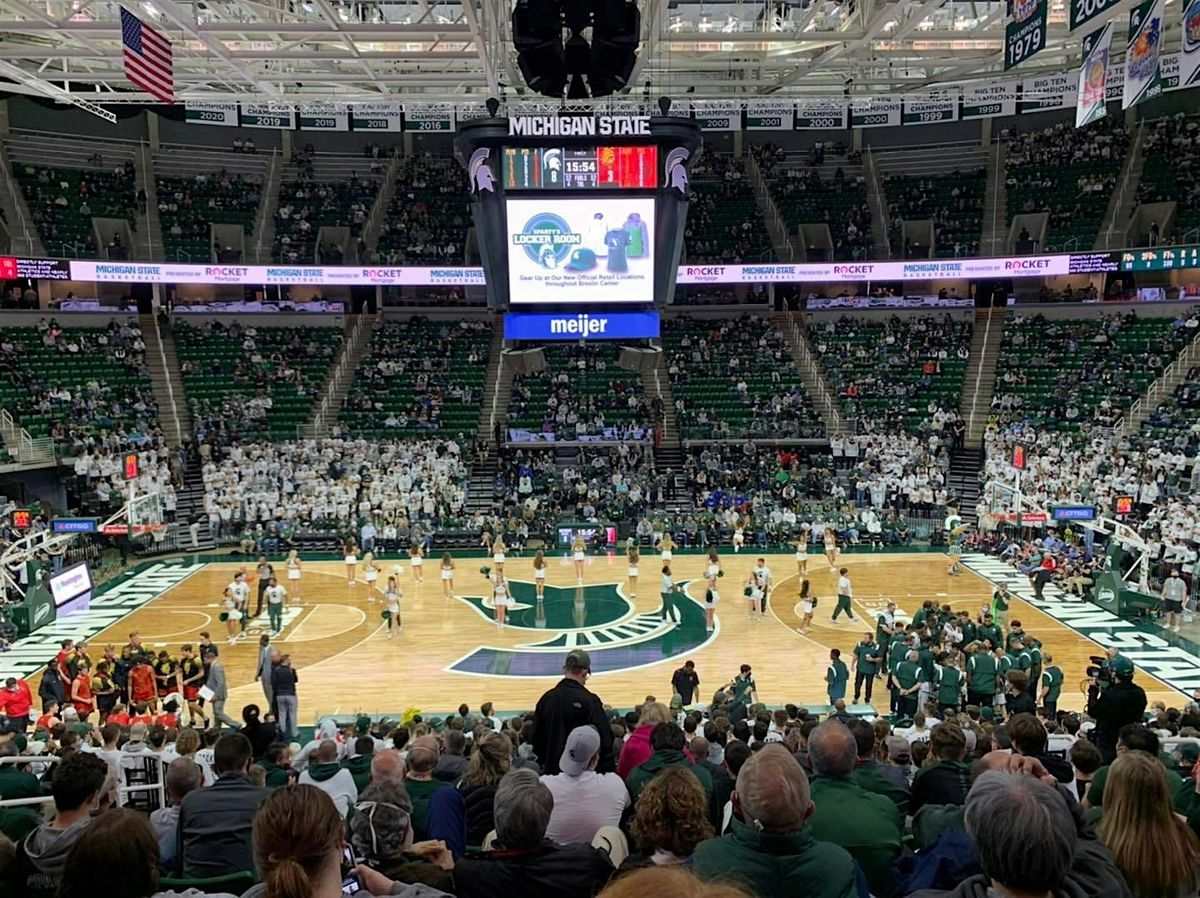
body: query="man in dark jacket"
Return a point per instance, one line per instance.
(874, 776)
(771, 850)
(567, 706)
(1031, 838)
(214, 823)
(947, 781)
(667, 741)
(1030, 738)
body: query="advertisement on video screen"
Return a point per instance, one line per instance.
(581, 250)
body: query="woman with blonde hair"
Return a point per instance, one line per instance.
(416, 559)
(802, 555)
(631, 561)
(498, 553)
(671, 819)
(636, 749)
(392, 599)
(579, 555)
(350, 556)
(294, 568)
(370, 574)
(539, 574)
(711, 597)
(669, 882)
(447, 575)
(489, 762)
(299, 839)
(1155, 850)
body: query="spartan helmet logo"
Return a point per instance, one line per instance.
(676, 169)
(480, 172)
(552, 159)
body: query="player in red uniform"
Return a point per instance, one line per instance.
(16, 701)
(141, 682)
(81, 693)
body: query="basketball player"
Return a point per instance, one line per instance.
(392, 597)
(230, 615)
(762, 576)
(276, 595)
(712, 573)
(801, 556)
(831, 548)
(539, 574)
(294, 568)
(165, 679)
(807, 603)
(579, 555)
(191, 673)
(447, 575)
(631, 559)
(240, 590)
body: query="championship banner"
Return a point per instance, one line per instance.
(769, 115)
(1083, 11)
(268, 115)
(224, 115)
(989, 100)
(429, 118)
(1024, 30)
(926, 109)
(322, 117)
(1115, 80)
(821, 115)
(376, 117)
(1045, 92)
(1189, 60)
(1093, 77)
(1142, 78)
(1169, 71)
(875, 112)
(717, 115)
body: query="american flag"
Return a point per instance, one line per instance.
(148, 61)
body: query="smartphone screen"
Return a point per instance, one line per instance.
(350, 882)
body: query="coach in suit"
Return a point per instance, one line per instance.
(220, 691)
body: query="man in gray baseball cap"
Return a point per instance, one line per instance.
(567, 706)
(584, 800)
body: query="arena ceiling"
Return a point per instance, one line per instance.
(460, 51)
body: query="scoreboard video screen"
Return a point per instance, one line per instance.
(1161, 258)
(580, 168)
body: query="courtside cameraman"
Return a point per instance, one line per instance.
(1113, 701)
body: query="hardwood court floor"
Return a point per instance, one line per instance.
(449, 651)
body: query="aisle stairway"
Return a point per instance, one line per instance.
(993, 240)
(341, 375)
(823, 398)
(780, 238)
(963, 479)
(1173, 375)
(480, 484)
(163, 362)
(656, 383)
(979, 380)
(497, 390)
(191, 507)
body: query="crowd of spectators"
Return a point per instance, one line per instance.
(953, 202)
(62, 202)
(427, 220)
(1172, 152)
(724, 223)
(307, 205)
(188, 207)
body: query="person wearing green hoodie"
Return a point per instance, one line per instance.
(667, 741)
(771, 850)
(330, 777)
(359, 764)
(278, 764)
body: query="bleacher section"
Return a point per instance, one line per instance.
(1072, 374)
(77, 382)
(188, 206)
(1175, 417)
(1172, 164)
(253, 383)
(954, 203)
(428, 217)
(420, 376)
(724, 223)
(1070, 173)
(832, 190)
(888, 372)
(317, 192)
(735, 379)
(581, 392)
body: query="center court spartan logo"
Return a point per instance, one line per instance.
(548, 240)
(597, 617)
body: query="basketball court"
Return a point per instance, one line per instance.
(450, 651)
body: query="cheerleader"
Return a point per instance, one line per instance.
(294, 567)
(539, 574)
(739, 535)
(807, 603)
(831, 548)
(711, 596)
(801, 556)
(501, 598)
(665, 547)
(416, 558)
(370, 574)
(578, 554)
(447, 576)
(231, 615)
(498, 550)
(392, 598)
(631, 554)
(351, 552)
(753, 593)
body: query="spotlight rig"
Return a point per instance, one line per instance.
(555, 54)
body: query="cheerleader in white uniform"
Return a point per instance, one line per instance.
(501, 598)
(351, 553)
(231, 615)
(498, 550)
(294, 567)
(539, 574)
(801, 556)
(447, 576)
(370, 574)
(807, 603)
(416, 558)
(392, 598)
(739, 536)
(831, 548)
(711, 596)
(631, 555)
(665, 547)
(578, 554)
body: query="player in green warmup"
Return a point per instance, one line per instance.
(837, 675)
(1050, 687)
(866, 666)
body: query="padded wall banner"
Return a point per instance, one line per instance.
(1093, 77)
(1143, 80)
(1189, 60)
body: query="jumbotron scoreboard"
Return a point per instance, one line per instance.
(580, 168)
(1161, 258)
